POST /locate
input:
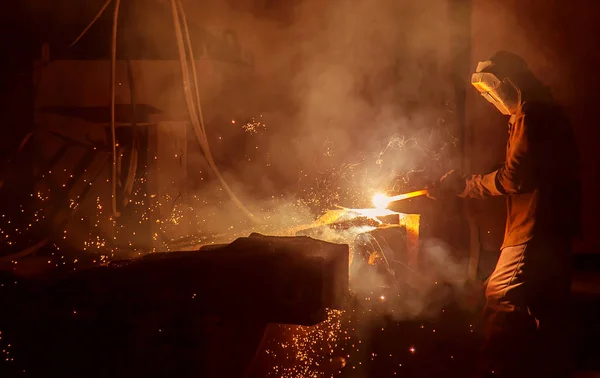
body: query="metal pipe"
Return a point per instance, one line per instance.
(405, 196)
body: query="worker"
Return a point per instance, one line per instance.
(527, 293)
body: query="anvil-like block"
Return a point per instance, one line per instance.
(295, 279)
(177, 314)
(270, 279)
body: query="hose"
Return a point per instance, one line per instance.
(113, 64)
(194, 107)
(194, 73)
(133, 159)
(113, 129)
(91, 23)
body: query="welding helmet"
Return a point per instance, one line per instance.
(500, 91)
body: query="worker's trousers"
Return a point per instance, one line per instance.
(526, 312)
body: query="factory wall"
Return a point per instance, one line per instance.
(559, 41)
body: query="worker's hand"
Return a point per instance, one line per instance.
(451, 184)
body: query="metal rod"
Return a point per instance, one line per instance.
(405, 196)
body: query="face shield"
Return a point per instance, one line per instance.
(503, 94)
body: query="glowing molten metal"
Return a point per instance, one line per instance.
(381, 201)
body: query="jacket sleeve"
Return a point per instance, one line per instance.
(515, 176)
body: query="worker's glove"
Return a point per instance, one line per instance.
(451, 184)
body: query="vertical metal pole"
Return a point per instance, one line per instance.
(461, 13)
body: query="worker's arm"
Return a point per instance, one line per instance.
(514, 176)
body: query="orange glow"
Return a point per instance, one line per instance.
(405, 196)
(381, 201)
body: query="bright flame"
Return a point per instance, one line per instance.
(381, 201)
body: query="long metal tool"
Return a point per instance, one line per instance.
(400, 197)
(382, 201)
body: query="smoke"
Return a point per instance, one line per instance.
(353, 96)
(364, 73)
(334, 83)
(415, 292)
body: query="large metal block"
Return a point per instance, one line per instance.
(204, 310)
(270, 279)
(297, 278)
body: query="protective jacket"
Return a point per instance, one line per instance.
(539, 177)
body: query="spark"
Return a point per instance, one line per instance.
(310, 349)
(253, 126)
